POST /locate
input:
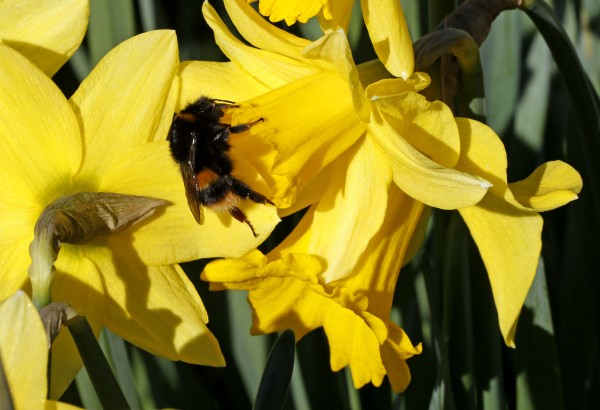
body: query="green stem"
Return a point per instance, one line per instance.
(43, 251)
(107, 388)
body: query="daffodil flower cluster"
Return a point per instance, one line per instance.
(366, 153)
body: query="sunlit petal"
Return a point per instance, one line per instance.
(261, 34)
(334, 48)
(424, 179)
(509, 241)
(389, 35)
(304, 139)
(428, 126)
(41, 146)
(216, 80)
(155, 56)
(352, 213)
(290, 10)
(24, 351)
(47, 33)
(551, 185)
(268, 68)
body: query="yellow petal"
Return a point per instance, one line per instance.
(509, 241)
(336, 15)
(394, 352)
(290, 10)
(216, 80)
(14, 252)
(380, 87)
(174, 236)
(156, 308)
(47, 33)
(273, 70)
(261, 34)
(423, 179)
(377, 270)
(551, 185)
(334, 48)
(117, 103)
(41, 144)
(309, 123)
(359, 183)
(77, 282)
(428, 126)
(24, 352)
(389, 35)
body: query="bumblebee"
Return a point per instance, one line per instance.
(199, 143)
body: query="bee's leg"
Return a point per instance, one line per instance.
(236, 129)
(244, 191)
(241, 216)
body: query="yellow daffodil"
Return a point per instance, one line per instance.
(24, 354)
(366, 152)
(47, 33)
(110, 137)
(317, 147)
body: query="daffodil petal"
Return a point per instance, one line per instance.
(389, 35)
(47, 33)
(284, 297)
(175, 236)
(385, 87)
(24, 351)
(290, 10)
(311, 193)
(268, 68)
(216, 80)
(423, 179)
(394, 352)
(363, 177)
(15, 259)
(262, 34)
(41, 144)
(156, 307)
(377, 270)
(77, 282)
(309, 123)
(334, 48)
(428, 126)
(551, 185)
(509, 241)
(129, 107)
(335, 15)
(483, 153)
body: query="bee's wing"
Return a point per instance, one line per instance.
(191, 191)
(191, 185)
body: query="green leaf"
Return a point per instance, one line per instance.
(249, 352)
(111, 22)
(583, 96)
(501, 61)
(275, 381)
(116, 352)
(105, 384)
(538, 379)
